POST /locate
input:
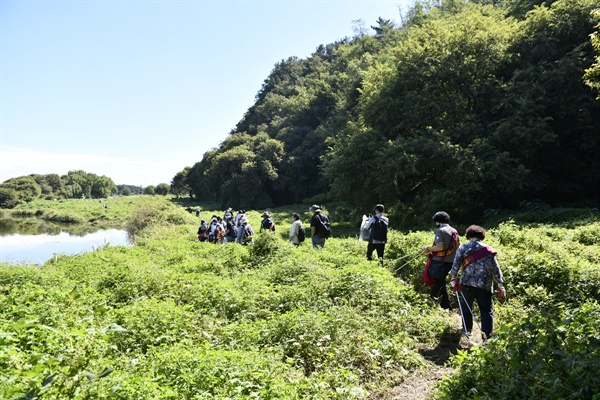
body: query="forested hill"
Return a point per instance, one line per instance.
(464, 107)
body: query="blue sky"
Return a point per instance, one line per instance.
(137, 90)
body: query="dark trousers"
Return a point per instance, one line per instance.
(439, 290)
(486, 308)
(379, 247)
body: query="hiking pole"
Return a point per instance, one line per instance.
(415, 256)
(462, 315)
(471, 311)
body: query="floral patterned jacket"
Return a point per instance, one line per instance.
(479, 274)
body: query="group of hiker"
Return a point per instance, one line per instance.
(237, 229)
(472, 266)
(229, 229)
(477, 265)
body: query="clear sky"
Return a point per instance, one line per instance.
(138, 90)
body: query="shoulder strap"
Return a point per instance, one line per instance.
(450, 249)
(477, 255)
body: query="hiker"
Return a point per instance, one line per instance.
(212, 229)
(245, 232)
(219, 231)
(378, 228)
(479, 269)
(320, 227)
(441, 256)
(198, 209)
(297, 232)
(230, 229)
(240, 214)
(203, 231)
(267, 223)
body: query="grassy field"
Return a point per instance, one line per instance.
(172, 318)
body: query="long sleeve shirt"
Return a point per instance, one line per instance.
(479, 274)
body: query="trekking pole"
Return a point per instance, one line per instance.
(471, 311)
(415, 256)
(462, 315)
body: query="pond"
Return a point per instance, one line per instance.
(21, 249)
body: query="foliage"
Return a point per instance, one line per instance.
(9, 198)
(465, 107)
(25, 188)
(592, 74)
(163, 189)
(175, 318)
(149, 190)
(76, 184)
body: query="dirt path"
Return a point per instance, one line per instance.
(420, 384)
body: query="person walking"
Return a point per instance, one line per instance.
(479, 269)
(295, 229)
(378, 229)
(267, 223)
(230, 229)
(320, 227)
(442, 254)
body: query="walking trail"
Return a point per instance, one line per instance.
(420, 384)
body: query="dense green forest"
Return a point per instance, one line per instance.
(465, 107)
(74, 185)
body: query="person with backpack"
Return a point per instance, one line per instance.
(479, 269)
(230, 229)
(297, 232)
(441, 256)
(267, 223)
(203, 231)
(320, 227)
(378, 229)
(245, 232)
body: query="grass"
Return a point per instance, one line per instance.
(174, 318)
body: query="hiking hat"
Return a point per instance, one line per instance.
(266, 215)
(314, 207)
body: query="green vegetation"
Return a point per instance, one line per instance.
(75, 211)
(174, 318)
(465, 107)
(74, 185)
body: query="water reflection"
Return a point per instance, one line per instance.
(32, 242)
(37, 226)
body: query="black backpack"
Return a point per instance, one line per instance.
(301, 235)
(325, 229)
(379, 230)
(268, 225)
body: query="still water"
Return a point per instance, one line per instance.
(21, 249)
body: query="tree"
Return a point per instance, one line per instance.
(592, 74)
(25, 187)
(102, 187)
(8, 197)
(163, 189)
(126, 191)
(149, 190)
(180, 184)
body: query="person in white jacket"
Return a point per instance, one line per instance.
(295, 229)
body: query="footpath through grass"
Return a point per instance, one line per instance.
(172, 318)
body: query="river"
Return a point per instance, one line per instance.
(22, 249)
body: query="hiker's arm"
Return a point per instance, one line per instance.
(312, 230)
(439, 246)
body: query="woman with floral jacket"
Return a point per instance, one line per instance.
(479, 269)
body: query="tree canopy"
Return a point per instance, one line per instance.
(465, 107)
